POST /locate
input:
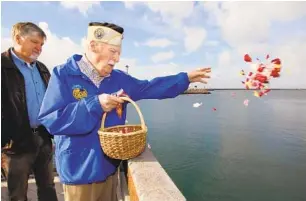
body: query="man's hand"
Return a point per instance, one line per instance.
(199, 75)
(109, 102)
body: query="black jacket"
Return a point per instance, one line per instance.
(15, 124)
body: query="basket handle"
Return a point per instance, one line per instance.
(136, 107)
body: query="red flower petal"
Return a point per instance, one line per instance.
(119, 110)
(260, 69)
(275, 73)
(261, 78)
(276, 61)
(267, 90)
(247, 58)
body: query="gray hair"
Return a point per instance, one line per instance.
(26, 28)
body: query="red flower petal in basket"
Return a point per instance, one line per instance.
(247, 58)
(276, 61)
(124, 130)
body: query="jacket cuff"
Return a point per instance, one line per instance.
(93, 106)
(184, 82)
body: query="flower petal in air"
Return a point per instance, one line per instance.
(276, 61)
(247, 58)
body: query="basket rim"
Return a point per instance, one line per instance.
(139, 125)
(126, 98)
(145, 129)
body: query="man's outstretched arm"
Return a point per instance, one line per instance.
(165, 87)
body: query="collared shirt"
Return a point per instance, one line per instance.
(34, 87)
(87, 68)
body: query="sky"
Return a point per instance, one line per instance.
(165, 38)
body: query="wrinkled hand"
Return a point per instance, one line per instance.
(199, 75)
(109, 102)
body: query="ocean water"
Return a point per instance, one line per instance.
(234, 153)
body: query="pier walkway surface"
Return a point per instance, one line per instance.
(32, 192)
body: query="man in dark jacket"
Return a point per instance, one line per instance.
(26, 144)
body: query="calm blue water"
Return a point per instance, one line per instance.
(235, 153)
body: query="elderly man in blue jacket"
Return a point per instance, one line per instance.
(78, 94)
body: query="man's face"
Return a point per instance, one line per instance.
(106, 57)
(30, 45)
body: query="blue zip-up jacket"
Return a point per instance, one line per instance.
(75, 122)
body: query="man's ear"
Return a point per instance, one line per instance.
(93, 46)
(18, 39)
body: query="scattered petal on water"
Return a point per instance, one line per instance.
(246, 102)
(197, 105)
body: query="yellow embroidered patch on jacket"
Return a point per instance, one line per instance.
(79, 92)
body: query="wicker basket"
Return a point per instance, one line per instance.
(123, 141)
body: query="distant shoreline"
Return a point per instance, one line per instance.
(197, 91)
(234, 89)
(208, 91)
